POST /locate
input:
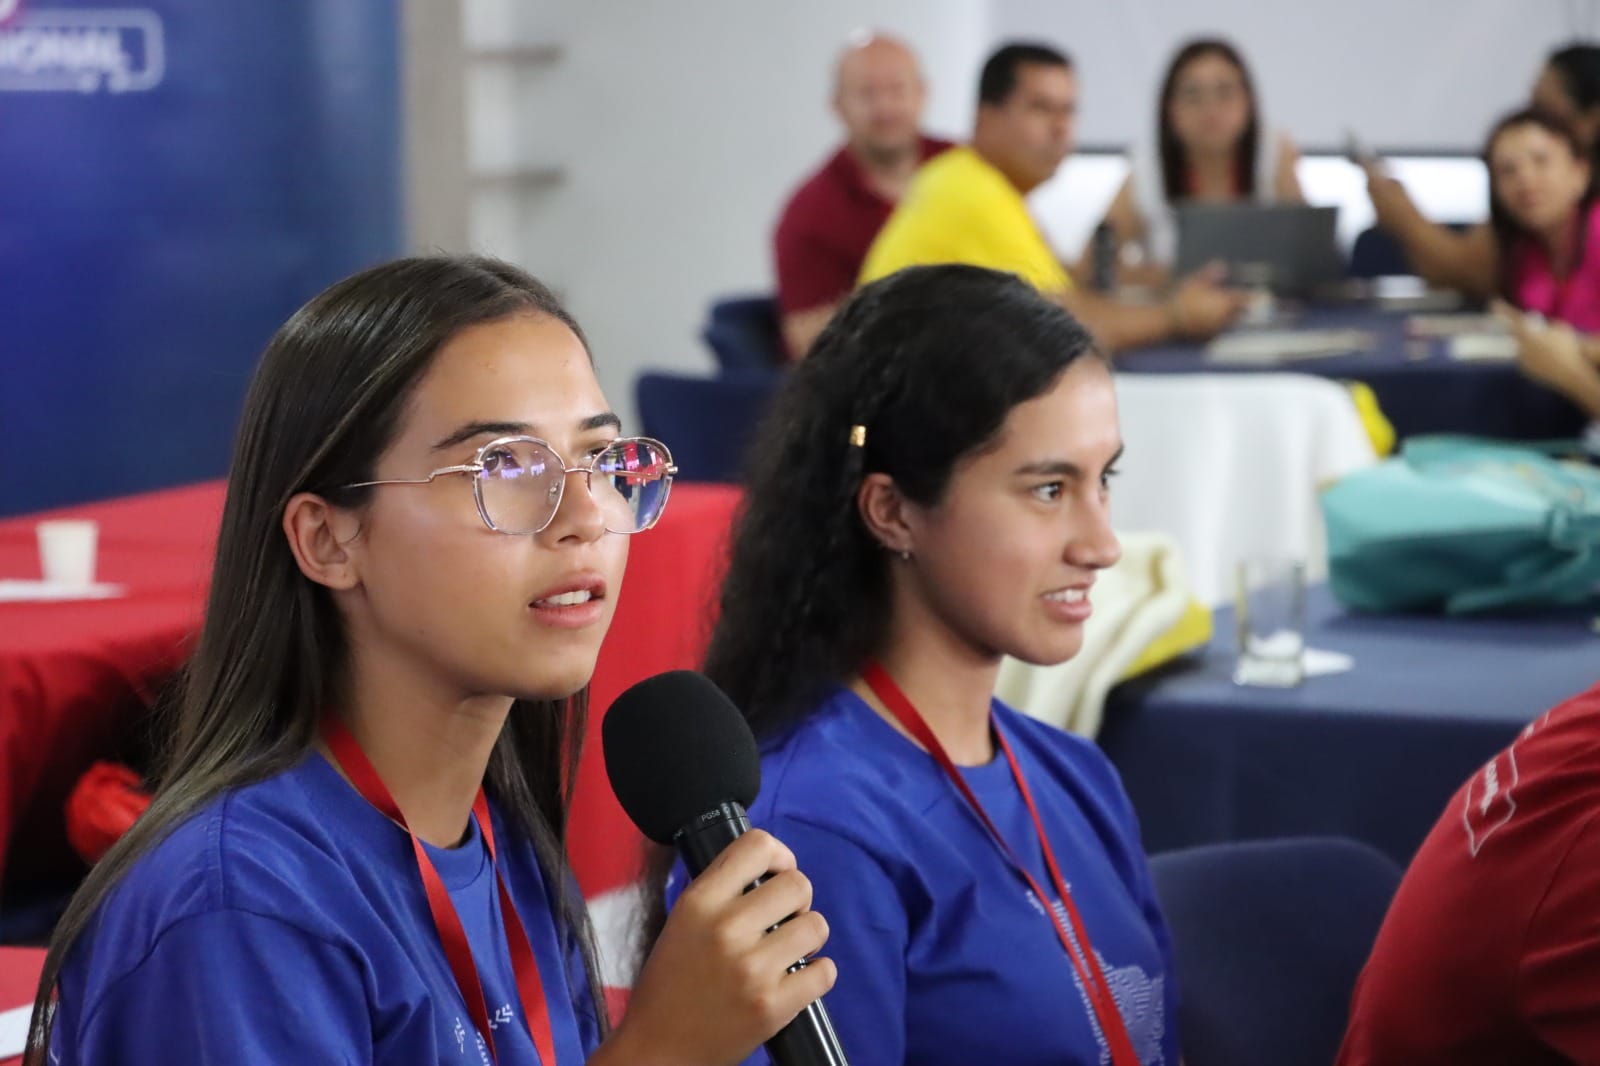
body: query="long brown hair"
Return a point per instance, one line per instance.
(1174, 155)
(325, 403)
(1508, 232)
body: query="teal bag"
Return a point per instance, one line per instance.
(1462, 525)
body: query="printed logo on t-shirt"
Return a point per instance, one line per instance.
(1140, 999)
(502, 1015)
(1491, 794)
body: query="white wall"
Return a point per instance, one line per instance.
(681, 128)
(1402, 73)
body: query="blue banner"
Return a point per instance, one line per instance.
(176, 177)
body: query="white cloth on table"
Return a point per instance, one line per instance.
(1230, 466)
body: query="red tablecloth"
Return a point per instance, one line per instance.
(19, 979)
(75, 678)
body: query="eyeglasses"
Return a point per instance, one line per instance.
(518, 483)
(1193, 94)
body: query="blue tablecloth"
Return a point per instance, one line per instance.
(1420, 388)
(1372, 754)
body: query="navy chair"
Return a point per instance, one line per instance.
(707, 423)
(1270, 937)
(28, 916)
(743, 333)
(1377, 255)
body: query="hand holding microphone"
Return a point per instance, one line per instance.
(723, 976)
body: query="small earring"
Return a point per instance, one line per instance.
(905, 555)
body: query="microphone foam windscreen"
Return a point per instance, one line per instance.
(676, 747)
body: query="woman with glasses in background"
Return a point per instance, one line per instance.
(1211, 147)
(356, 852)
(928, 494)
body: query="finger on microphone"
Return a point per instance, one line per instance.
(773, 901)
(811, 982)
(796, 939)
(754, 855)
(781, 1003)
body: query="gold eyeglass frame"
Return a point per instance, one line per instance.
(476, 468)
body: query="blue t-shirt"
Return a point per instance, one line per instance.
(286, 922)
(944, 954)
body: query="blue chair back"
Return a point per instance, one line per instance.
(707, 423)
(1270, 937)
(1377, 255)
(743, 333)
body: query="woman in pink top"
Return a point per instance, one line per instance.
(1542, 209)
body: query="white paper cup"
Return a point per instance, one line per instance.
(67, 551)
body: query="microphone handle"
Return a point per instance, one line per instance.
(809, 1040)
(710, 834)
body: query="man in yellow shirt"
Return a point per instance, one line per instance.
(967, 206)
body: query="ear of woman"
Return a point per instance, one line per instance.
(320, 536)
(888, 516)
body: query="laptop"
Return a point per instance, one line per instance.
(1288, 248)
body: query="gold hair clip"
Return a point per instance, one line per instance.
(858, 436)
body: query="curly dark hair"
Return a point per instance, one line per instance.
(929, 361)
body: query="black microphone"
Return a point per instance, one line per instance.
(684, 766)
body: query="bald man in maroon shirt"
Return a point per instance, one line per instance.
(830, 221)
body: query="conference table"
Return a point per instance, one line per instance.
(19, 977)
(1419, 385)
(1373, 754)
(78, 678)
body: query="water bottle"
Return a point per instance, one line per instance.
(1104, 258)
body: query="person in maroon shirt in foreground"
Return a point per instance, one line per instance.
(1491, 950)
(830, 221)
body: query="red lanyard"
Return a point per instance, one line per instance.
(353, 761)
(1076, 943)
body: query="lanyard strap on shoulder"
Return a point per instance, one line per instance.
(1076, 943)
(452, 936)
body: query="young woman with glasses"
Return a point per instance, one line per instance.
(356, 849)
(929, 494)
